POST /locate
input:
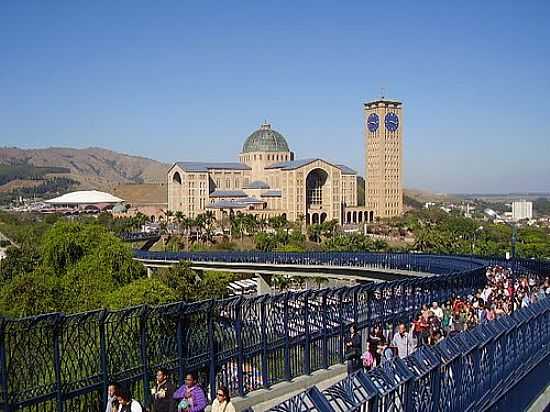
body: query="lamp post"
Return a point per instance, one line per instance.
(494, 215)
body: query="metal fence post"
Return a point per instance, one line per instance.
(4, 367)
(325, 331)
(263, 324)
(240, 350)
(182, 344)
(103, 356)
(143, 351)
(288, 373)
(342, 325)
(57, 362)
(211, 351)
(307, 340)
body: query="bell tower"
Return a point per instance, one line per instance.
(384, 165)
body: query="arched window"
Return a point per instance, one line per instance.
(176, 178)
(315, 181)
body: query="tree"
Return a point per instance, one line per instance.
(328, 228)
(300, 222)
(181, 279)
(187, 224)
(209, 221)
(179, 216)
(167, 215)
(250, 224)
(141, 291)
(200, 222)
(238, 224)
(279, 223)
(19, 260)
(187, 285)
(265, 242)
(30, 294)
(314, 232)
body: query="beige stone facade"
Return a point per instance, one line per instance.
(268, 181)
(384, 169)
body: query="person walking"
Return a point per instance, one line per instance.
(352, 349)
(222, 403)
(404, 341)
(163, 396)
(112, 402)
(190, 396)
(126, 403)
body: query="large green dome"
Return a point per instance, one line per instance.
(265, 139)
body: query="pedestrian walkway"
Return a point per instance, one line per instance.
(263, 400)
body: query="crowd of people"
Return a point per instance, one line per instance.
(502, 294)
(190, 397)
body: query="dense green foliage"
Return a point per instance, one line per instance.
(354, 242)
(75, 266)
(436, 231)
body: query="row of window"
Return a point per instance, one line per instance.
(269, 157)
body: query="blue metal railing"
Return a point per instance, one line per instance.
(476, 370)
(64, 362)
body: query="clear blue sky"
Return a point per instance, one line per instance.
(174, 80)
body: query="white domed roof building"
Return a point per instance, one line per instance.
(267, 181)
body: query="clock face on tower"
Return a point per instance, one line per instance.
(372, 122)
(392, 122)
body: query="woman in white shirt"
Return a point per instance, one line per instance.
(126, 403)
(222, 403)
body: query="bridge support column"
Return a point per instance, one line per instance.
(263, 287)
(150, 272)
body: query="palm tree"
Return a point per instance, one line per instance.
(168, 214)
(300, 222)
(139, 220)
(209, 221)
(250, 223)
(314, 232)
(238, 224)
(179, 219)
(199, 223)
(187, 224)
(328, 228)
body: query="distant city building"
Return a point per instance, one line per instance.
(268, 181)
(522, 209)
(384, 169)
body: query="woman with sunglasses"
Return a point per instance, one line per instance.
(222, 403)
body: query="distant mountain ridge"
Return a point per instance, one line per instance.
(93, 167)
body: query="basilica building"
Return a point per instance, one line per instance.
(268, 181)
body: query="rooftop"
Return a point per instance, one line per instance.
(206, 166)
(228, 193)
(265, 139)
(84, 197)
(295, 164)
